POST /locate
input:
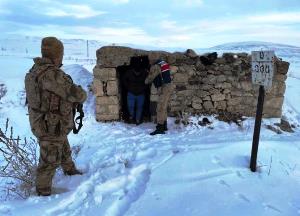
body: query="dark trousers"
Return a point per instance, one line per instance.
(138, 101)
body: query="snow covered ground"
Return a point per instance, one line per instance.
(190, 171)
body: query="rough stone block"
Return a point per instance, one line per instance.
(274, 102)
(246, 86)
(113, 109)
(202, 93)
(218, 97)
(104, 117)
(206, 87)
(180, 78)
(221, 79)
(197, 103)
(282, 67)
(107, 100)
(105, 74)
(280, 77)
(112, 88)
(220, 105)
(98, 88)
(114, 56)
(224, 85)
(208, 105)
(234, 101)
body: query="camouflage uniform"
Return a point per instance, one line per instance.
(53, 121)
(164, 93)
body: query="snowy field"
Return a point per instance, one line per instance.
(190, 171)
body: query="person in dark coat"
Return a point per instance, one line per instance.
(134, 82)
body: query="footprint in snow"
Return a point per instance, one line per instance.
(222, 182)
(242, 197)
(238, 173)
(217, 160)
(271, 207)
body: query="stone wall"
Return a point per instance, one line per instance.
(224, 86)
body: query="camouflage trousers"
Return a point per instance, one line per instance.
(52, 154)
(164, 94)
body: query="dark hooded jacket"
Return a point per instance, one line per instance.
(134, 81)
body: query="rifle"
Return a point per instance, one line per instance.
(78, 119)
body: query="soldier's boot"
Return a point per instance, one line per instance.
(43, 191)
(159, 130)
(73, 171)
(165, 126)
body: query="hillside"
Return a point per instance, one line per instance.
(192, 170)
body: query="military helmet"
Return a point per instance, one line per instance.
(52, 48)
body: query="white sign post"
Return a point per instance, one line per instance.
(263, 68)
(262, 75)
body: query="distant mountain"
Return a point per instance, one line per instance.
(281, 50)
(25, 46)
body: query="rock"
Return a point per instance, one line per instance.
(3, 90)
(107, 100)
(246, 86)
(208, 105)
(114, 56)
(211, 79)
(191, 53)
(221, 78)
(180, 78)
(202, 93)
(206, 87)
(234, 101)
(199, 65)
(220, 61)
(280, 77)
(207, 98)
(112, 88)
(274, 129)
(229, 57)
(285, 126)
(218, 97)
(98, 87)
(113, 109)
(180, 87)
(220, 105)
(282, 67)
(197, 103)
(273, 102)
(104, 117)
(224, 85)
(105, 74)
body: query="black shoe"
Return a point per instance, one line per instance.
(138, 122)
(73, 172)
(43, 191)
(130, 120)
(159, 130)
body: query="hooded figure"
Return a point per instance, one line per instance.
(51, 96)
(134, 82)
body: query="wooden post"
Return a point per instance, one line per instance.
(255, 142)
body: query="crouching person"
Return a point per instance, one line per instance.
(51, 96)
(160, 76)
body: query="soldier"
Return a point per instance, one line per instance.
(160, 76)
(52, 96)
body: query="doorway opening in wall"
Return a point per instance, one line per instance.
(131, 79)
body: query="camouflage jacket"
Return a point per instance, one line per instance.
(59, 95)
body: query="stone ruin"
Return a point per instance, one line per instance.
(224, 86)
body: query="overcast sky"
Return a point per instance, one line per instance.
(166, 23)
